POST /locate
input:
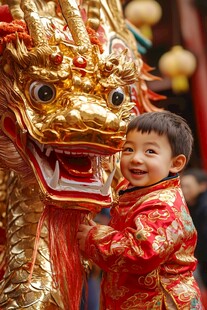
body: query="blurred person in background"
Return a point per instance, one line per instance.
(194, 186)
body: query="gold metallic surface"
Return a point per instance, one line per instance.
(3, 192)
(24, 211)
(65, 101)
(93, 20)
(75, 23)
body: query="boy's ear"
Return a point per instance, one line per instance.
(178, 163)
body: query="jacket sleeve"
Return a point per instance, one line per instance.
(140, 248)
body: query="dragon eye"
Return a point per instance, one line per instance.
(42, 92)
(116, 97)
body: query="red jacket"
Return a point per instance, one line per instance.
(147, 253)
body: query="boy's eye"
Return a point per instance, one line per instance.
(127, 149)
(150, 151)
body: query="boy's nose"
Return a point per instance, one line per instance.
(137, 158)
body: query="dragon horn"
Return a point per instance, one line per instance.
(75, 23)
(34, 24)
(94, 14)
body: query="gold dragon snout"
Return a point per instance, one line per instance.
(56, 114)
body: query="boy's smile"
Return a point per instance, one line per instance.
(146, 158)
(139, 172)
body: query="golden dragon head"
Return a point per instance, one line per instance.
(64, 104)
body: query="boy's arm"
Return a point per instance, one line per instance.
(118, 251)
(139, 249)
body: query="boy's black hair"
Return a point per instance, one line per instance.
(166, 123)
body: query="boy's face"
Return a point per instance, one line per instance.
(146, 158)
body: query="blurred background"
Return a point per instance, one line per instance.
(177, 30)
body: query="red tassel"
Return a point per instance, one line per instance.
(65, 255)
(68, 271)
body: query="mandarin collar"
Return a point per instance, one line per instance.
(163, 181)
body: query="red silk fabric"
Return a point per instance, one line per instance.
(148, 252)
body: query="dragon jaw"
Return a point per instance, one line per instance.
(67, 175)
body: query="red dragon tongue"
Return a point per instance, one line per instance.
(76, 165)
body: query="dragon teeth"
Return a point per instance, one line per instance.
(106, 187)
(56, 175)
(48, 151)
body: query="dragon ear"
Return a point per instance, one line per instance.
(5, 14)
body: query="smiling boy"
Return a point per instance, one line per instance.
(147, 251)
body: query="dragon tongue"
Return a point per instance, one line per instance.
(75, 165)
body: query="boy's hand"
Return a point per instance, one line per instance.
(83, 231)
